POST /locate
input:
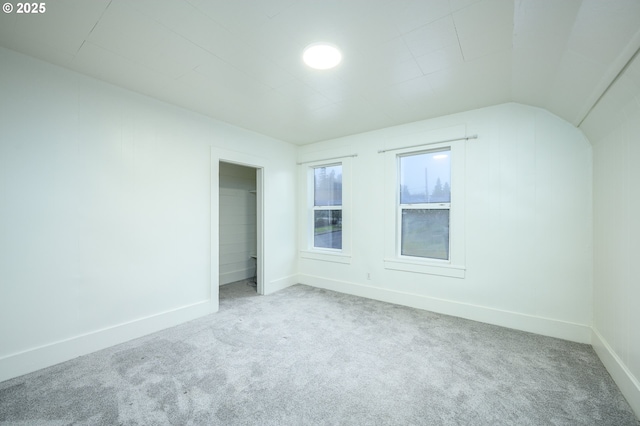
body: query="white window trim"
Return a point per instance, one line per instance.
(455, 266)
(307, 208)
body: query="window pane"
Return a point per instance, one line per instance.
(327, 229)
(425, 233)
(425, 178)
(327, 186)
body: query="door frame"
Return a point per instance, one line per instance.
(246, 160)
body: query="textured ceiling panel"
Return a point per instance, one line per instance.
(404, 60)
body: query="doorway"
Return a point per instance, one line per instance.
(240, 225)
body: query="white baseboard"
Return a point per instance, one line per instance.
(24, 362)
(534, 324)
(626, 381)
(281, 283)
(233, 276)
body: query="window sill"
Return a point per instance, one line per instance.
(444, 270)
(326, 256)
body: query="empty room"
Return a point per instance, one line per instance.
(291, 212)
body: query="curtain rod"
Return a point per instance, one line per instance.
(327, 159)
(466, 138)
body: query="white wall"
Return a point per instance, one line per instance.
(108, 200)
(237, 223)
(527, 219)
(613, 128)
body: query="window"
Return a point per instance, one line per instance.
(327, 207)
(424, 204)
(424, 224)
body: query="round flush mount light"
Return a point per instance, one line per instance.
(321, 56)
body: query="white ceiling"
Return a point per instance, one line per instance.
(404, 60)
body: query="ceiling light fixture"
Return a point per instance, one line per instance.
(321, 56)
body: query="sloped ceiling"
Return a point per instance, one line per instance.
(404, 60)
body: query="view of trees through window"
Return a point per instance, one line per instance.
(425, 178)
(327, 206)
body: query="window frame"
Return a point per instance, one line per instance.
(315, 208)
(307, 249)
(419, 206)
(455, 265)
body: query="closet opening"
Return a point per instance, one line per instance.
(240, 227)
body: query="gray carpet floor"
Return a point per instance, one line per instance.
(309, 356)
